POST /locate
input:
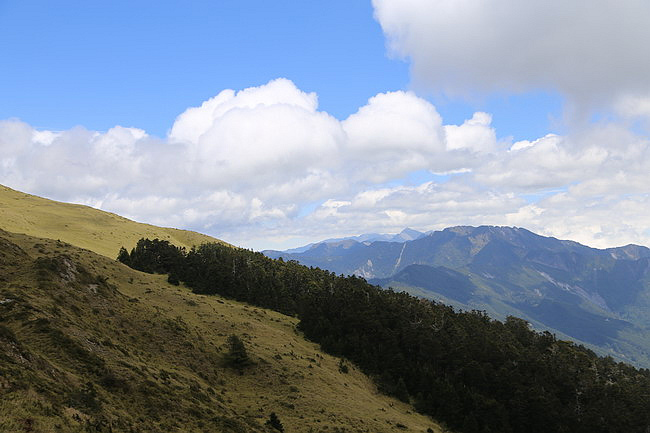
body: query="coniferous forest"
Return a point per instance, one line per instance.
(474, 373)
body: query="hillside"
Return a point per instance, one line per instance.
(476, 374)
(599, 298)
(82, 226)
(88, 344)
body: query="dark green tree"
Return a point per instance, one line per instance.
(173, 279)
(124, 257)
(237, 355)
(401, 392)
(274, 422)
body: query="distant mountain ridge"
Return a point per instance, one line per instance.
(407, 234)
(599, 297)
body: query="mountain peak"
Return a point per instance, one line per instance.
(461, 230)
(408, 234)
(410, 231)
(506, 232)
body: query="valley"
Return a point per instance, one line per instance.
(599, 298)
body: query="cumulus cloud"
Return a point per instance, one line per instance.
(475, 134)
(593, 52)
(259, 166)
(264, 135)
(395, 122)
(598, 221)
(394, 134)
(242, 157)
(76, 160)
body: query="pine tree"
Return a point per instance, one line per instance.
(401, 392)
(123, 256)
(237, 355)
(274, 422)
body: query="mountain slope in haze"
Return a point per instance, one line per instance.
(89, 345)
(407, 234)
(83, 226)
(597, 297)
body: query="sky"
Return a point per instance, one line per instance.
(275, 124)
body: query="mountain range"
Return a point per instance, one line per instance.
(598, 297)
(407, 234)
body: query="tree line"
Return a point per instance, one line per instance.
(473, 373)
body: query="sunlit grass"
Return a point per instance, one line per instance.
(155, 355)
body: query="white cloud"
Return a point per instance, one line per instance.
(44, 137)
(474, 134)
(593, 52)
(263, 164)
(394, 134)
(596, 221)
(549, 162)
(267, 135)
(395, 122)
(259, 154)
(196, 121)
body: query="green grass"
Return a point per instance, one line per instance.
(86, 342)
(83, 226)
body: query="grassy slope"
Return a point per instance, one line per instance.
(154, 354)
(83, 226)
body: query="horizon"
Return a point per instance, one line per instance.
(273, 126)
(430, 232)
(422, 232)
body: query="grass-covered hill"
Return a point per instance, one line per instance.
(83, 226)
(90, 345)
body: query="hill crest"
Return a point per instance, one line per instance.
(83, 226)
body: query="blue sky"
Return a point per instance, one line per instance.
(141, 63)
(428, 114)
(99, 64)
